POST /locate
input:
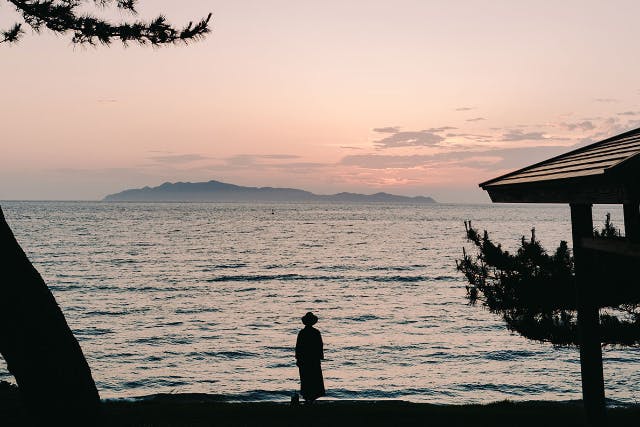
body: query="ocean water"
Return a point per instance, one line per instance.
(176, 298)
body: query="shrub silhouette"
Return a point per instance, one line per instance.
(535, 292)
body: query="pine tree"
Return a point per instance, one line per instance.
(38, 346)
(535, 292)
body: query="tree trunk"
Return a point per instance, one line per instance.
(40, 350)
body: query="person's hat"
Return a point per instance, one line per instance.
(310, 319)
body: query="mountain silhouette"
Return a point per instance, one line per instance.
(216, 191)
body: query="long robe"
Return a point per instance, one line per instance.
(309, 353)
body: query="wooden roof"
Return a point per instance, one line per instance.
(605, 172)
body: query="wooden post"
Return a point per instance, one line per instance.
(588, 320)
(632, 222)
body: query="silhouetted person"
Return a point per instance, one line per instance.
(309, 353)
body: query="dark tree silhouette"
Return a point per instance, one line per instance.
(538, 296)
(40, 350)
(535, 292)
(64, 16)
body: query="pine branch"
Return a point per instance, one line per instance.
(534, 292)
(11, 35)
(61, 16)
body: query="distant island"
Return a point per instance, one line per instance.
(216, 191)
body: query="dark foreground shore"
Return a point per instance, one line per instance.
(204, 410)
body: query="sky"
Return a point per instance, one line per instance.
(409, 97)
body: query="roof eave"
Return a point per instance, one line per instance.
(569, 153)
(594, 189)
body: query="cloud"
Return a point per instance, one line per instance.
(298, 167)
(441, 129)
(464, 108)
(476, 119)
(472, 137)
(610, 127)
(398, 138)
(629, 113)
(382, 161)
(178, 158)
(492, 159)
(107, 100)
(388, 129)
(584, 125)
(253, 159)
(422, 138)
(349, 147)
(516, 158)
(518, 135)
(606, 100)
(277, 156)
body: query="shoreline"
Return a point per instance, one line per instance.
(193, 409)
(197, 397)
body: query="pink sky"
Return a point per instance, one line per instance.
(408, 97)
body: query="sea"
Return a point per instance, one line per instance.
(207, 298)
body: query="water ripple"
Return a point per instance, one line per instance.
(207, 298)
